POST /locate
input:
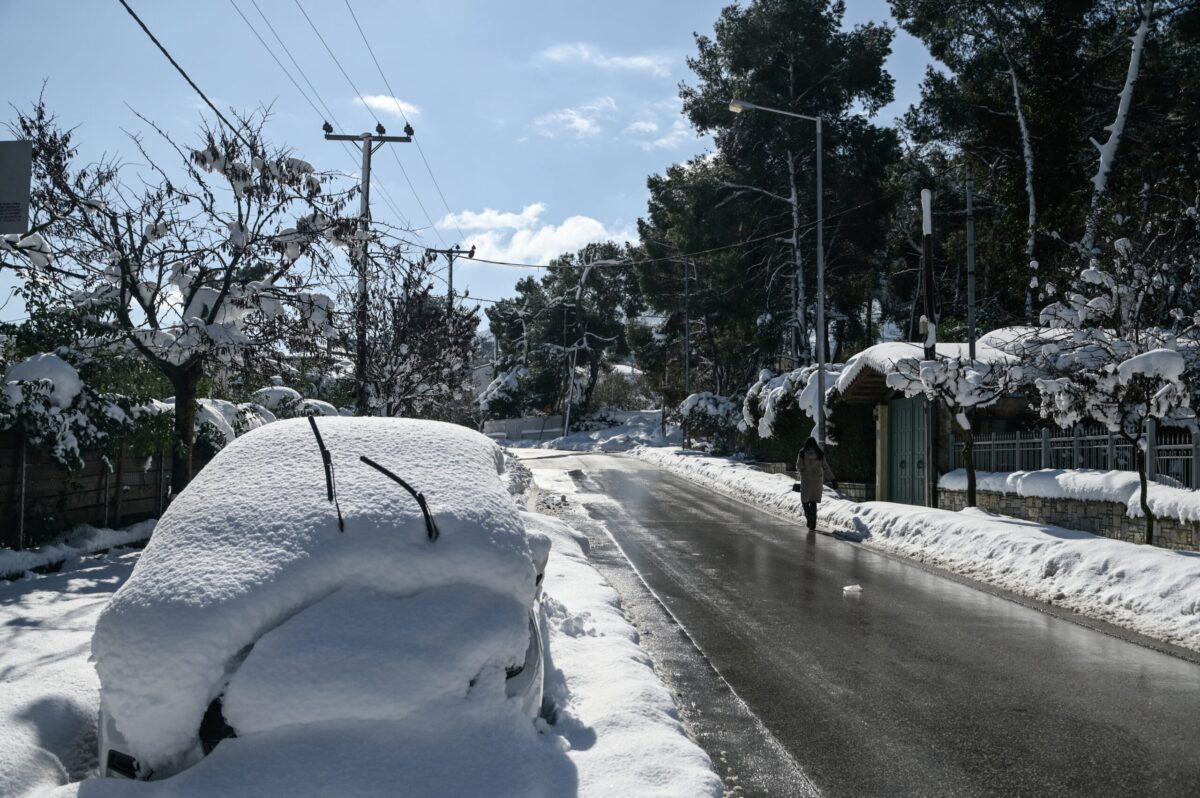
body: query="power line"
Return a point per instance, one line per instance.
(361, 99)
(185, 75)
(404, 116)
(685, 255)
(328, 113)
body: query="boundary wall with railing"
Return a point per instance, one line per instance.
(1174, 453)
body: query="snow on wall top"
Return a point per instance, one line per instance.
(1121, 487)
(253, 540)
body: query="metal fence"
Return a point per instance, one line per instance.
(1174, 454)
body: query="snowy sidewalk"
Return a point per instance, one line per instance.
(1155, 592)
(619, 718)
(49, 692)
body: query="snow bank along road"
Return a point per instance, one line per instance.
(917, 685)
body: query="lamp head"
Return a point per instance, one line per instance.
(737, 106)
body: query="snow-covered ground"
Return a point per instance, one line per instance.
(49, 693)
(80, 542)
(1155, 592)
(635, 428)
(609, 726)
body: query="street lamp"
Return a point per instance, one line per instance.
(738, 106)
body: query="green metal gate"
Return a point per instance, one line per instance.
(906, 451)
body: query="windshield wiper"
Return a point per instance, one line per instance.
(330, 483)
(430, 527)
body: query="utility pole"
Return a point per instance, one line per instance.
(370, 143)
(451, 254)
(575, 347)
(687, 341)
(970, 264)
(822, 337)
(929, 323)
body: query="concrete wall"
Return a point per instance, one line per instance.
(515, 429)
(1107, 519)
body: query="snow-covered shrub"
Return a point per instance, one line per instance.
(501, 393)
(624, 388)
(279, 399)
(713, 418)
(44, 398)
(774, 394)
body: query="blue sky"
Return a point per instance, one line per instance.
(541, 120)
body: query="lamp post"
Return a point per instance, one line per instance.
(738, 106)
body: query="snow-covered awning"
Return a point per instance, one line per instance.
(864, 379)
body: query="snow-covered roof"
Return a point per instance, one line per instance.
(881, 358)
(253, 541)
(628, 372)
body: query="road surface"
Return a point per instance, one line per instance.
(919, 685)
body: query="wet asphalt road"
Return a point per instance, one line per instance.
(920, 684)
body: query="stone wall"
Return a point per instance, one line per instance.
(1108, 519)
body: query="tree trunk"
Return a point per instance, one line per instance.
(184, 381)
(1031, 222)
(799, 325)
(1143, 477)
(1108, 150)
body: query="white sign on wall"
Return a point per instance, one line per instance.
(16, 171)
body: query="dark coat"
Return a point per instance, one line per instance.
(814, 471)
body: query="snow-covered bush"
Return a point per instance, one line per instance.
(774, 394)
(501, 393)
(710, 417)
(45, 399)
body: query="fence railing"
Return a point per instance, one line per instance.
(1174, 454)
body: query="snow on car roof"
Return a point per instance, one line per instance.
(253, 540)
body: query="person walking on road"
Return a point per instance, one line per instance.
(814, 471)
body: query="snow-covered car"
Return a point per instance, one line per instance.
(319, 572)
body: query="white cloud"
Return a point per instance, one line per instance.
(490, 219)
(581, 53)
(530, 241)
(385, 103)
(582, 120)
(678, 134)
(642, 126)
(660, 125)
